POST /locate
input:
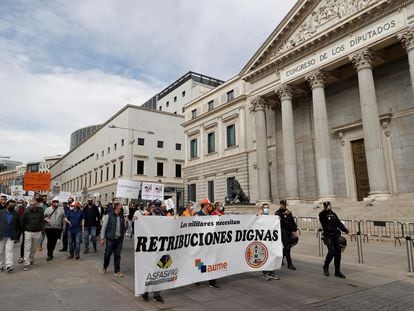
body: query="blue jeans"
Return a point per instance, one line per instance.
(92, 232)
(113, 246)
(74, 240)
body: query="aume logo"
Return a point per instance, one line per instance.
(203, 268)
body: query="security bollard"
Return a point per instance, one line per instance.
(359, 248)
(409, 243)
(320, 243)
(359, 243)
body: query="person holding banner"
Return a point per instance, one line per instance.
(113, 232)
(289, 230)
(155, 207)
(189, 209)
(206, 209)
(267, 275)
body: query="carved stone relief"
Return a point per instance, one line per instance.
(324, 16)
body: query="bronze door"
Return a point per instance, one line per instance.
(360, 167)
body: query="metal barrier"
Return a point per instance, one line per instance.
(381, 229)
(320, 242)
(359, 242)
(409, 244)
(308, 223)
(409, 229)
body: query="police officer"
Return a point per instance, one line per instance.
(332, 228)
(289, 230)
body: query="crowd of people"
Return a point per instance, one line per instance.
(74, 223)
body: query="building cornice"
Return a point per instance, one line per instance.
(326, 37)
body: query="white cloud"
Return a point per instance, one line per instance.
(69, 64)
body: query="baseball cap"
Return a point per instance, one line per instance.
(205, 201)
(75, 203)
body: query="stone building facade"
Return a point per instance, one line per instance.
(325, 108)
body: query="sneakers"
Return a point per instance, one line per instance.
(21, 260)
(339, 274)
(49, 258)
(70, 257)
(26, 268)
(291, 267)
(273, 277)
(31, 263)
(77, 257)
(325, 271)
(214, 286)
(119, 274)
(144, 297)
(158, 299)
(63, 250)
(9, 269)
(103, 270)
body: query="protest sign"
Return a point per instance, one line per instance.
(55, 188)
(158, 192)
(172, 252)
(128, 189)
(64, 196)
(17, 191)
(35, 181)
(147, 191)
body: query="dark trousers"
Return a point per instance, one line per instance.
(334, 252)
(286, 235)
(52, 235)
(22, 246)
(65, 238)
(115, 247)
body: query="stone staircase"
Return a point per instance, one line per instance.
(398, 208)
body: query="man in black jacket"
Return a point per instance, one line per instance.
(332, 228)
(289, 229)
(33, 221)
(92, 220)
(9, 231)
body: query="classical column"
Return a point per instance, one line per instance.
(242, 129)
(316, 80)
(371, 123)
(258, 106)
(407, 39)
(289, 144)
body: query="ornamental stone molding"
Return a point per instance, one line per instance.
(362, 59)
(257, 103)
(316, 78)
(284, 92)
(325, 15)
(407, 38)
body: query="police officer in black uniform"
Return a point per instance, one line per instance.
(332, 228)
(289, 230)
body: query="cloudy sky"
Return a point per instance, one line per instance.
(70, 64)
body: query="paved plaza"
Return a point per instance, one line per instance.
(381, 283)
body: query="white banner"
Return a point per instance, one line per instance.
(172, 252)
(128, 188)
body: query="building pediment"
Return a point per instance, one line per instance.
(308, 22)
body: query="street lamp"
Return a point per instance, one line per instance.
(112, 126)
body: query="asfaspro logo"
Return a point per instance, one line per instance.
(203, 268)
